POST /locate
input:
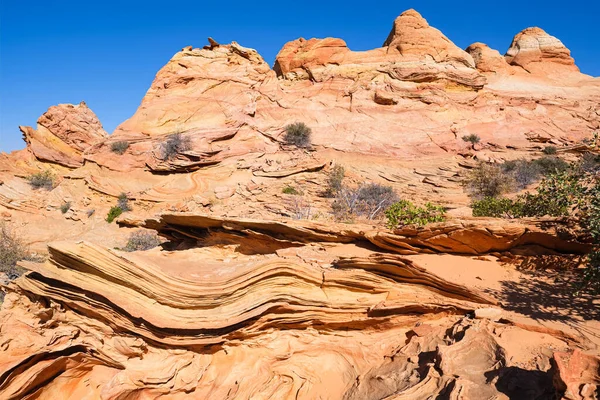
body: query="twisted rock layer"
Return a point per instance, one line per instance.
(206, 323)
(456, 237)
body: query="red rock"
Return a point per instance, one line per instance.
(63, 134)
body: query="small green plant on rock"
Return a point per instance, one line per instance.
(41, 180)
(113, 213)
(119, 147)
(405, 212)
(290, 190)
(472, 138)
(298, 134)
(64, 207)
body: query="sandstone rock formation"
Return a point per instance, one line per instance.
(533, 48)
(63, 134)
(243, 299)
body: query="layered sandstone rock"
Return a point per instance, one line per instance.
(216, 321)
(532, 48)
(487, 59)
(63, 134)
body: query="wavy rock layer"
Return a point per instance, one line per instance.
(210, 321)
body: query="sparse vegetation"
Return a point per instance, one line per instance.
(367, 201)
(405, 212)
(123, 202)
(290, 190)
(298, 134)
(472, 138)
(142, 240)
(335, 180)
(300, 207)
(572, 191)
(119, 147)
(488, 180)
(175, 143)
(549, 150)
(495, 207)
(41, 180)
(113, 213)
(12, 250)
(64, 207)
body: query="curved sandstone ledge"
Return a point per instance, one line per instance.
(469, 237)
(215, 302)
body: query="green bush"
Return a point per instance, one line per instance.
(404, 212)
(496, 207)
(113, 213)
(119, 147)
(298, 134)
(290, 190)
(41, 180)
(175, 143)
(66, 206)
(472, 138)
(335, 180)
(549, 150)
(488, 180)
(141, 240)
(550, 164)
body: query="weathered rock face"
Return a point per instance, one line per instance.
(288, 322)
(411, 35)
(533, 48)
(63, 134)
(415, 96)
(487, 59)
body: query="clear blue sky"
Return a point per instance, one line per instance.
(107, 52)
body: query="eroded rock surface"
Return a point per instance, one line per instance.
(63, 134)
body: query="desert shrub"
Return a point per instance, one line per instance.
(496, 207)
(549, 150)
(299, 207)
(298, 134)
(41, 180)
(522, 172)
(368, 201)
(589, 163)
(550, 164)
(64, 207)
(488, 180)
(175, 143)
(119, 147)
(404, 212)
(335, 180)
(123, 202)
(472, 138)
(142, 240)
(89, 213)
(113, 213)
(290, 190)
(12, 250)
